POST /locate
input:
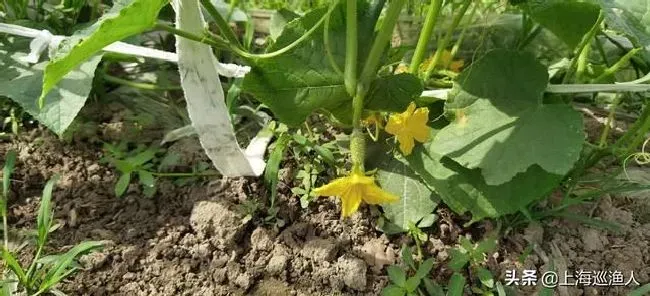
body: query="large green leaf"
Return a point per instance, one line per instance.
(416, 198)
(501, 125)
(296, 84)
(569, 20)
(126, 18)
(631, 17)
(22, 83)
(465, 190)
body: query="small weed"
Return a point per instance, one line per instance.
(44, 271)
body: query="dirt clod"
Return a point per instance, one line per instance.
(319, 250)
(353, 272)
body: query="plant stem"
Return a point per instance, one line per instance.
(139, 85)
(191, 36)
(610, 120)
(380, 43)
(601, 51)
(639, 137)
(617, 66)
(198, 174)
(326, 43)
(583, 60)
(425, 35)
(461, 37)
(357, 140)
(287, 48)
(632, 130)
(5, 231)
(351, 50)
(222, 24)
(445, 40)
(586, 40)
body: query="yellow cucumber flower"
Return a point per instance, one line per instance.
(374, 118)
(409, 126)
(354, 188)
(454, 65)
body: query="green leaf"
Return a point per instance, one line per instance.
(392, 290)
(465, 190)
(427, 221)
(568, 20)
(23, 83)
(126, 18)
(279, 19)
(295, 85)
(501, 125)
(412, 284)
(458, 259)
(433, 289)
(13, 264)
(630, 17)
(407, 256)
(485, 276)
(643, 290)
(44, 219)
(416, 199)
(122, 184)
(273, 165)
(397, 275)
(456, 285)
(142, 157)
(424, 268)
(487, 245)
(393, 93)
(146, 178)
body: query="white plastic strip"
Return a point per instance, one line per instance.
(587, 88)
(205, 100)
(43, 39)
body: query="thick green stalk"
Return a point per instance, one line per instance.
(445, 40)
(461, 37)
(139, 85)
(380, 43)
(586, 40)
(425, 35)
(583, 60)
(639, 137)
(191, 36)
(222, 24)
(617, 66)
(328, 50)
(351, 47)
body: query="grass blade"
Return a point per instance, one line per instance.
(44, 220)
(13, 264)
(273, 166)
(10, 161)
(66, 265)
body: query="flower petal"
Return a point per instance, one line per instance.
(351, 200)
(409, 110)
(337, 187)
(406, 143)
(394, 125)
(418, 125)
(374, 195)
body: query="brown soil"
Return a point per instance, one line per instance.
(198, 240)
